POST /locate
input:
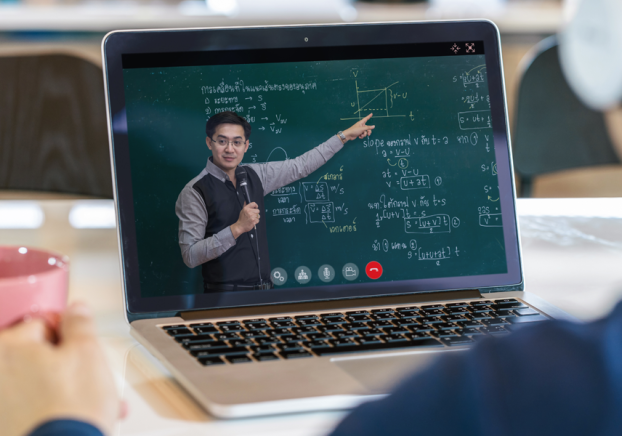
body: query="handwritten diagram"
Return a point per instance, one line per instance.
(377, 101)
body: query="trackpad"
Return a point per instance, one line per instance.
(378, 373)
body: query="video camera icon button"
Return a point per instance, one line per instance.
(350, 271)
(373, 270)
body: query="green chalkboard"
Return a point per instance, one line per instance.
(420, 196)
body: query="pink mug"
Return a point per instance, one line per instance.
(32, 282)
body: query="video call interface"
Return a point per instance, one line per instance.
(418, 199)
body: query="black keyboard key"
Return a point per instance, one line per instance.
(445, 326)
(527, 319)
(295, 354)
(433, 307)
(289, 339)
(228, 323)
(444, 334)
(379, 324)
(179, 332)
(316, 345)
(205, 339)
(211, 361)
(382, 311)
(343, 343)
(227, 336)
(454, 318)
(453, 342)
(195, 348)
(318, 336)
(238, 359)
(262, 349)
(409, 315)
(455, 305)
(417, 336)
(176, 326)
(289, 347)
(241, 343)
(526, 312)
(432, 320)
(481, 303)
(358, 318)
(481, 316)
(507, 306)
(369, 340)
(494, 330)
(406, 322)
(265, 356)
(432, 312)
(332, 315)
(372, 332)
(471, 332)
(408, 309)
(334, 321)
(507, 301)
(395, 330)
(330, 328)
(280, 319)
(268, 341)
(456, 310)
(309, 322)
(378, 347)
(395, 338)
(277, 332)
(497, 321)
(283, 324)
(230, 351)
(301, 317)
(421, 328)
(234, 328)
(255, 321)
(480, 309)
(206, 330)
(384, 316)
(304, 330)
(346, 335)
(357, 313)
(257, 326)
(357, 326)
(469, 324)
(253, 335)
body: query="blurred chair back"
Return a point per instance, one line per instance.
(554, 131)
(53, 134)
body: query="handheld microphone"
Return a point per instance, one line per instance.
(243, 183)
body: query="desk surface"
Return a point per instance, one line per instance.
(572, 252)
(524, 16)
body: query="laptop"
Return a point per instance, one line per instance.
(402, 246)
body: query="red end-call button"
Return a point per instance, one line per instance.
(373, 270)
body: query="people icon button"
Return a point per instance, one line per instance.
(278, 276)
(302, 275)
(350, 271)
(326, 273)
(373, 270)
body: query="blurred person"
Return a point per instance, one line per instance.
(56, 382)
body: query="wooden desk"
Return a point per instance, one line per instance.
(572, 251)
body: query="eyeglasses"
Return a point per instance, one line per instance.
(238, 143)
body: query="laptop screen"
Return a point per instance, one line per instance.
(416, 206)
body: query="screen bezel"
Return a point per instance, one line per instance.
(116, 44)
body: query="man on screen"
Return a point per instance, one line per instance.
(218, 228)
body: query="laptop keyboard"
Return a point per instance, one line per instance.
(335, 333)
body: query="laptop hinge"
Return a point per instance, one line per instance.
(334, 305)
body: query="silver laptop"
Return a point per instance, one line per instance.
(400, 246)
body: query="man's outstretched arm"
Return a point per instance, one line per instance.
(556, 378)
(274, 175)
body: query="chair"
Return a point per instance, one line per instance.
(554, 131)
(53, 134)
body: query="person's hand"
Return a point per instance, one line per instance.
(42, 381)
(359, 129)
(249, 218)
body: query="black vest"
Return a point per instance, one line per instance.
(223, 201)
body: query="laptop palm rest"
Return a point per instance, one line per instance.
(378, 373)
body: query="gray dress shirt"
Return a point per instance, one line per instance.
(190, 208)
